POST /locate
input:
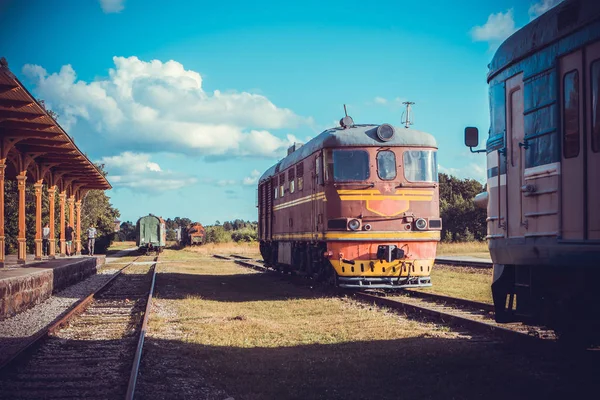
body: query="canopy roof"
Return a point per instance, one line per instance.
(27, 125)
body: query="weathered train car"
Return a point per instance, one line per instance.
(195, 234)
(543, 156)
(151, 234)
(357, 205)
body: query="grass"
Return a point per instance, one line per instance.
(220, 330)
(472, 249)
(121, 245)
(462, 282)
(242, 248)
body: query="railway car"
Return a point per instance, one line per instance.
(151, 234)
(195, 234)
(358, 206)
(543, 159)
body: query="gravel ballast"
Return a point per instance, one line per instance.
(15, 331)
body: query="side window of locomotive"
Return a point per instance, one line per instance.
(292, 179)
(275, 187)
(300, 175)
(350, 165)
(319, 169)
(281, 185)
(420, 165)
(386, 165)
(595, 81)
(571, 114)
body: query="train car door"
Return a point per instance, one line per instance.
(515, 160)
(592, 56)
(573, 152)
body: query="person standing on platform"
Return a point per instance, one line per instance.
(91, 232)
(69, 238)
(46, 240)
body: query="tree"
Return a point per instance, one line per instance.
(461, 219)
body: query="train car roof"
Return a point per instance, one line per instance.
(557, 23)
(355, 136)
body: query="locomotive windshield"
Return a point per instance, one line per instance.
(386, 165)
(348, 165)
(420, 166)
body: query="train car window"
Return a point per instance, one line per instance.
(350, 165)
(386, 165)
(498, 109)
(292, 179)
(276, 187)
(595, 106)
(420, 165)
(300, 175)
(542, 150)
(571, 114)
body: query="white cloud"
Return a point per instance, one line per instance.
(380, 100)
(154, 105)
(135, 171)
(112, 6)
(471, 171)
(497, 28)
(541, 7)
(252, 179)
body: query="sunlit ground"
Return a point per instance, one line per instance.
(257, 336)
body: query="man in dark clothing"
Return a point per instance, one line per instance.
(46, 240)
(69, 238)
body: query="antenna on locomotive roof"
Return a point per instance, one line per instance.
(408, 120)
(347, 121)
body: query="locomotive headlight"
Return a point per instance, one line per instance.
(354, 224)
(421, 224)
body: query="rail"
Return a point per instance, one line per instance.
(138, 351)
(476, 316)
(104, 291)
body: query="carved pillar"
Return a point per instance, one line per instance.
(62, 197)
(2, 238)
(38, 220)
(51, 196)
(78, 228)
(71, 204)
(21, 238)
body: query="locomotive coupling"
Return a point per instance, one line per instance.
(389, 253)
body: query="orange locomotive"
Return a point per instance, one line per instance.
(357, 205)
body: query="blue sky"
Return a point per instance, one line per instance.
(187, 102)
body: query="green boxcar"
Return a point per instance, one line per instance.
(151, 233)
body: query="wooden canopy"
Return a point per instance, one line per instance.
(31, 140)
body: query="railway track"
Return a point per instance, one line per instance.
(475, 316)
(94, 350)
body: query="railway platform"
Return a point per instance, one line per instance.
(25, 285)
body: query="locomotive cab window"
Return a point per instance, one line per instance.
(386, 165)
(348, 165)
(571, 114)
(420, 166)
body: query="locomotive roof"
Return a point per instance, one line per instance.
(355, 136)
(559, 22)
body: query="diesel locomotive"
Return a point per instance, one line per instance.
(358, 205)
(543, 159)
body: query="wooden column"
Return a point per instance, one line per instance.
(2, 238)
(38, 220)
(71, 204)
(21, 238)
(62, 198)
(51, 196)
(78, 228)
